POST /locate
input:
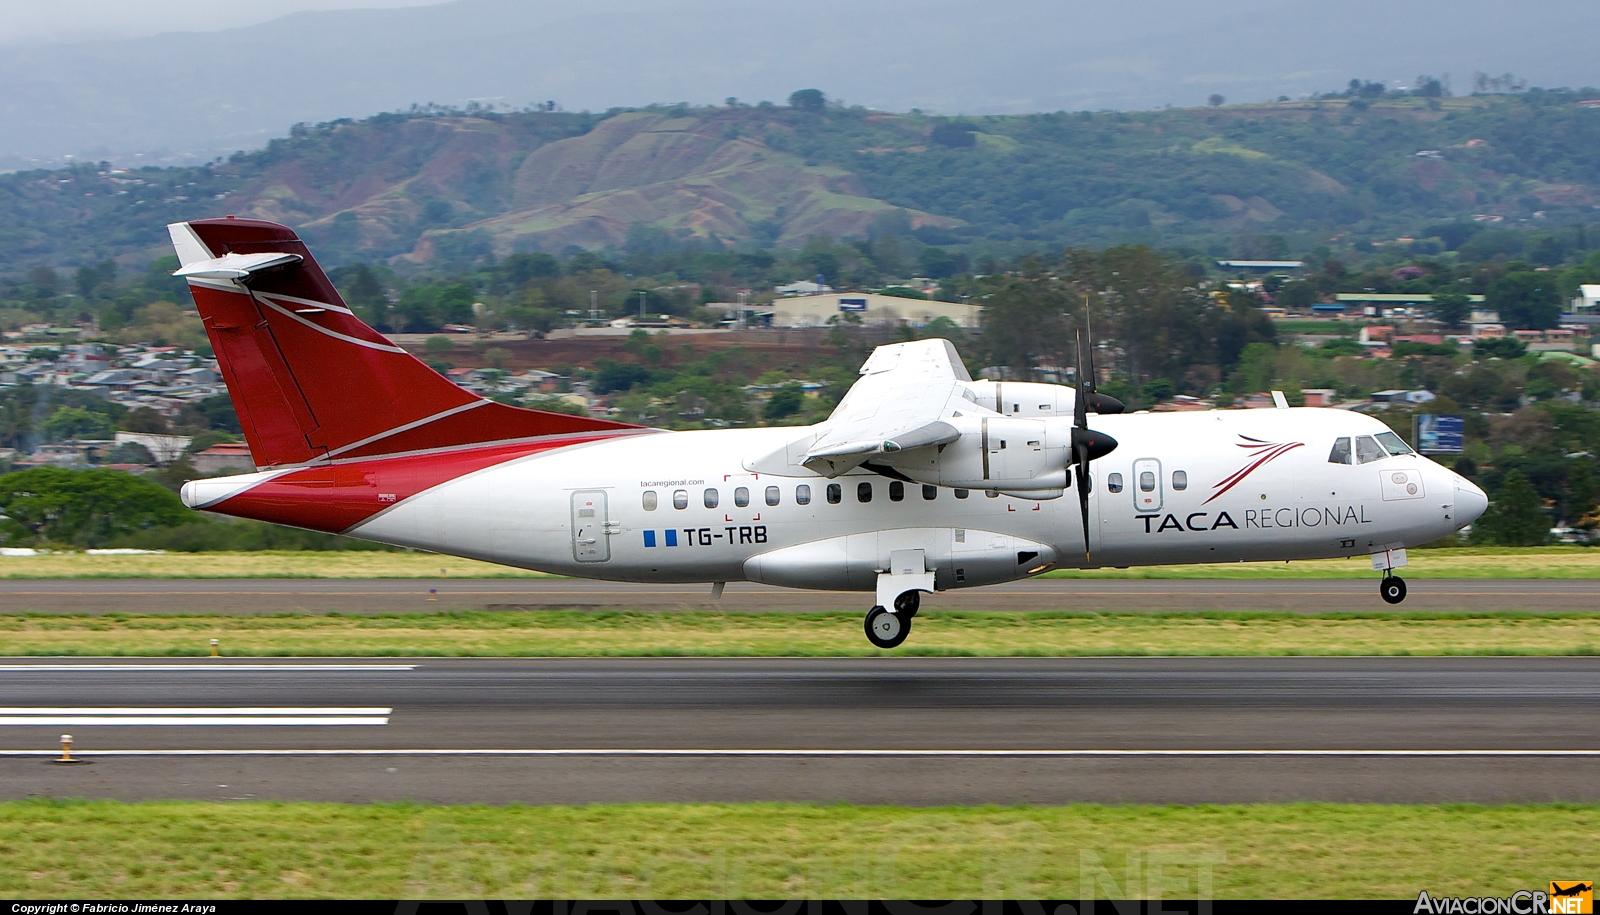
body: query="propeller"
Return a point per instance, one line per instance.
(1087, 444)
(1100, 403)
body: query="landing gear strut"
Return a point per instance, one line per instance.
(906, 604)
(1393, 588)
(886, 629)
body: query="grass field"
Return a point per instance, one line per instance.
(555, 633)
(60, 849)
(1571, 562)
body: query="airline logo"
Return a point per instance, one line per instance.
(1261, 454)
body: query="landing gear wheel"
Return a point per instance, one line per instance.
(885, 629)
(1393, 589)
(906, 604)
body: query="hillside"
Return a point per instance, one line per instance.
(161, 99)
(459, 185)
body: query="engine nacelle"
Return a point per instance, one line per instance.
(1022, 399)
(1026, 457)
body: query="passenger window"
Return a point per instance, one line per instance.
(1113, 482)
(1147, 481)
(863, 492)
(1341, 451)
(772, 495)
(741, 497)
(802, 494)
(712, 498)
(649, 500)
(897, 491)
(1367, 450)
(961, 494)
(834, 493)
(930, 492)
(1393, 443)
(1180, 480)
(680, 498)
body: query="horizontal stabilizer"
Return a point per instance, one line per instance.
(236, 266)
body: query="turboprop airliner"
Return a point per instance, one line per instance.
(921, 480)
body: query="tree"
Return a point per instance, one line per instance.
(1526, 300)
(1498, 347)
(76, 422)
(1515, 517)
(145, 419)
(786, 401)
(808, 100)
(438, 346)
(84, 507)
(1215, 100)
(1296, 294)
(953, 134)
(1451, 308)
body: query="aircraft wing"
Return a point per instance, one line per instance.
(905, 393)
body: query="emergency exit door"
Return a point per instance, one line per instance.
(1147, 485)
(590, 526)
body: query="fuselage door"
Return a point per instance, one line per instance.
(590, 542)
(1147, 485)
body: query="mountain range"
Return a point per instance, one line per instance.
(459, 185)
(186, 97)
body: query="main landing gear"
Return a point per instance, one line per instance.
(1393, 588)
(889, 628)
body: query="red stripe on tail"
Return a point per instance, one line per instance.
(308, 378)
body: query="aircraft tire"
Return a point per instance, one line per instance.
(1393, 589)
(886, 630)
(908, 603)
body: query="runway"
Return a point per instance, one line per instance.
(267, 596)
(873, 730)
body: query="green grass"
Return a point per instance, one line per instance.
(384, 851)
(1569, 562)
(569, 633)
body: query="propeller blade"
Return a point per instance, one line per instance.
(1098, 402)
(1082, 449)
(1080, 403)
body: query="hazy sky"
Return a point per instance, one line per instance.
(34, 21)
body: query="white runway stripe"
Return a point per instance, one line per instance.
(1022, 754)
(252, 716)
(207, 668)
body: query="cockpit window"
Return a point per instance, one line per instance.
(1341, 451)
(1393, 443)
(1367, 450)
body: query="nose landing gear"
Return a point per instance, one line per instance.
(886, 629)
(1392, 588)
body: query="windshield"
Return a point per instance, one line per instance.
(1368, 451)
(1393, 443)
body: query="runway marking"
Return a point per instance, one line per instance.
(877, 753)
(258, 716)
(207, 668)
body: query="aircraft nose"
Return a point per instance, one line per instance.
(1470, 502)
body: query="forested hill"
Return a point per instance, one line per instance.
(461, 184)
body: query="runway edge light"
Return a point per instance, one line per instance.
(214, 644)
(66, 750)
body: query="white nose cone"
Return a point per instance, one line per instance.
(1470, 502)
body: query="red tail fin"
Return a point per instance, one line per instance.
(309, 380)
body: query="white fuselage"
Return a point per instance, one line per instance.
(1219, 486)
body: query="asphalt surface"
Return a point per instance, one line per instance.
(875, 730)
(266, 596)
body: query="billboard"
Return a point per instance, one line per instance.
(1439, 433)
(852, 304)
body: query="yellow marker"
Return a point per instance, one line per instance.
(433, 594)
(66, 749)
(214, 643)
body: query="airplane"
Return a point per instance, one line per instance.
(921, 480)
